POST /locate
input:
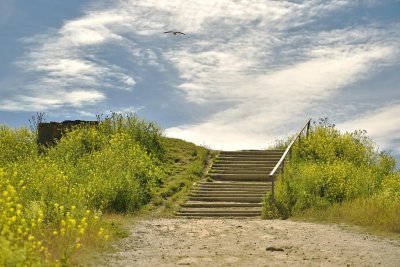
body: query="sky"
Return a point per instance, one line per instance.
(246, 73)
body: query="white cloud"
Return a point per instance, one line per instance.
(382, 125)
(269, 103)
(265, 60)
(76, 98)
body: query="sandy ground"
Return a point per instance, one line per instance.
(250, 242)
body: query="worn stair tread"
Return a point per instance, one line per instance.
(200, 204)
(219, 211)
(232, 190)
(228, 199)
(195, 215)
(251, 162)
(212, 194)
(241, 178)
(233, 183)
(239, 172)
(269, 159)
(243, 165)
(249, 153)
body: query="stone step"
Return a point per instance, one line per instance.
(231, 189)
(228, 194)
(244, 164)
(251, 153)
(265, 162)
(232, 215)
(250, 199)
(241, 166)
(221, 210)
(235, 184)
(240, 177)
(269, 158)
(238, 171)
(219, 205)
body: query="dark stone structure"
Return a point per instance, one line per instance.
(50, 132)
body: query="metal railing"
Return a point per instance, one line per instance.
(281, 162)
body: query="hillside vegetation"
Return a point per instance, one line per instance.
(52, 203)
(339, 177)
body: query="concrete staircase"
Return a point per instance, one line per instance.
(235, 186)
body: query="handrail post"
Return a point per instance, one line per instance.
(308, 127)
(273, 187)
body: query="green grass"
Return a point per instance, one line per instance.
(184, 164)
(339, 177)
(377, 216)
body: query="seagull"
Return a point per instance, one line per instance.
(175, 33)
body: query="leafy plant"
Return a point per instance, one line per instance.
(332, 169)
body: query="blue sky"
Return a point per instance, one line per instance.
(246, 72)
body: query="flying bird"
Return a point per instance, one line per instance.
(175, 33)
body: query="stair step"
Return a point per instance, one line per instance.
(221, 210)
(264, 163)
(229, 194)
(219, 205)
(227, 199)
(231, 189)
(248, 153)
(242, 165)
(231, 215)
(235, 184)
(240, 172)
(248, 158)
(241, 168)
(240, 177)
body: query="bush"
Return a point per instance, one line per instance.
(147, 134)
(16, 145)
(51, 202)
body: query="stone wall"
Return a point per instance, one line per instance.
(50, 132)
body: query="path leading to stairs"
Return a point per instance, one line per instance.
(249, 242)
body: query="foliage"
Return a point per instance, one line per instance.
(273, 209)
(52, 202)
(184, 164)
(334, 169)
(16, 145)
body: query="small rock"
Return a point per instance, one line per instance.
(274, 249)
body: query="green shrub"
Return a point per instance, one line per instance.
(333, 169)
(16, 145)
(61, 192)
(273, 208)
(147, 134)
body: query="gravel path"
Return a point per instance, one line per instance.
(250, 242)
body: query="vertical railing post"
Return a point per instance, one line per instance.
(308, 127)
(273, 187)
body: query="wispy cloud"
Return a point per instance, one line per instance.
(381, 124)
(76, 99)
(261, 66)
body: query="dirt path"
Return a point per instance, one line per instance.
(250, 242)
